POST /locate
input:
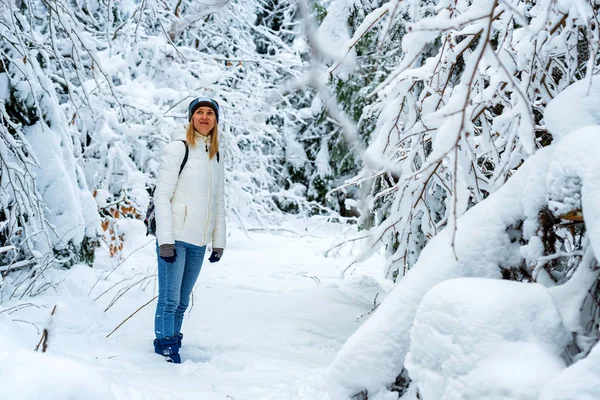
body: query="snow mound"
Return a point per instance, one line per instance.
(364, 290)
(26, 375)
(10, 336)
(512, 371)
(581, 381)
(575, 107)
(466, 330)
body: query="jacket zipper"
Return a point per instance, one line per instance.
(209, 195)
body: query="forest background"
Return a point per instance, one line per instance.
(397, 117)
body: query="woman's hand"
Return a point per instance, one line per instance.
(167, 252)
(216, 255)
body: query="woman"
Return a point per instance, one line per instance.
(190, 213)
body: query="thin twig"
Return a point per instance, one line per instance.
(372, 310)
(44, 339)
(345, 242)
(18, 307)
(123, 291)
(118, 265)
(27, 322)
(126, 319)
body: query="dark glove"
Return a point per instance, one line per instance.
(216, 255)
(167, 252)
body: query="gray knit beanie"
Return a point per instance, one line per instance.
(203, 102)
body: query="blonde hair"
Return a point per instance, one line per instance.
(191, 138)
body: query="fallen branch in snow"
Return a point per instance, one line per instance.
(118, 265)
(113, 286)
(126, 319)
(375, 305)
(345, 242)
(27, 322)
(122, 291)
(18, 307)
(343, 273)
(44, 339)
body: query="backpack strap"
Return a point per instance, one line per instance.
(185, 158)
(217, 156)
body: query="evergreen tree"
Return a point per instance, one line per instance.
(353, 67)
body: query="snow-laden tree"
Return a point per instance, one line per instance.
(469, 174)
(48, 213)
(441, 334)
(462, 109)
(92, 90)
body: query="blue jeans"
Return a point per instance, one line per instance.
(175, 283)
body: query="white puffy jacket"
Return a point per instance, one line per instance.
(190, 208)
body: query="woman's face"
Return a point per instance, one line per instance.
(204, 120)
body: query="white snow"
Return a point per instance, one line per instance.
(265, 322)
(581, 381)
(334, 35)
(322, 160)
(294, 152)
(4, 87)
(72, 207)
(511, 371)
(575, 107)
(467, 330)
(26, 375)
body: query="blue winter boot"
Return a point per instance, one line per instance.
(169, 348)
(180, 337)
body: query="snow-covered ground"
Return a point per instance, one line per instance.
(265, 323)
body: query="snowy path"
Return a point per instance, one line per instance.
(265, 324)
